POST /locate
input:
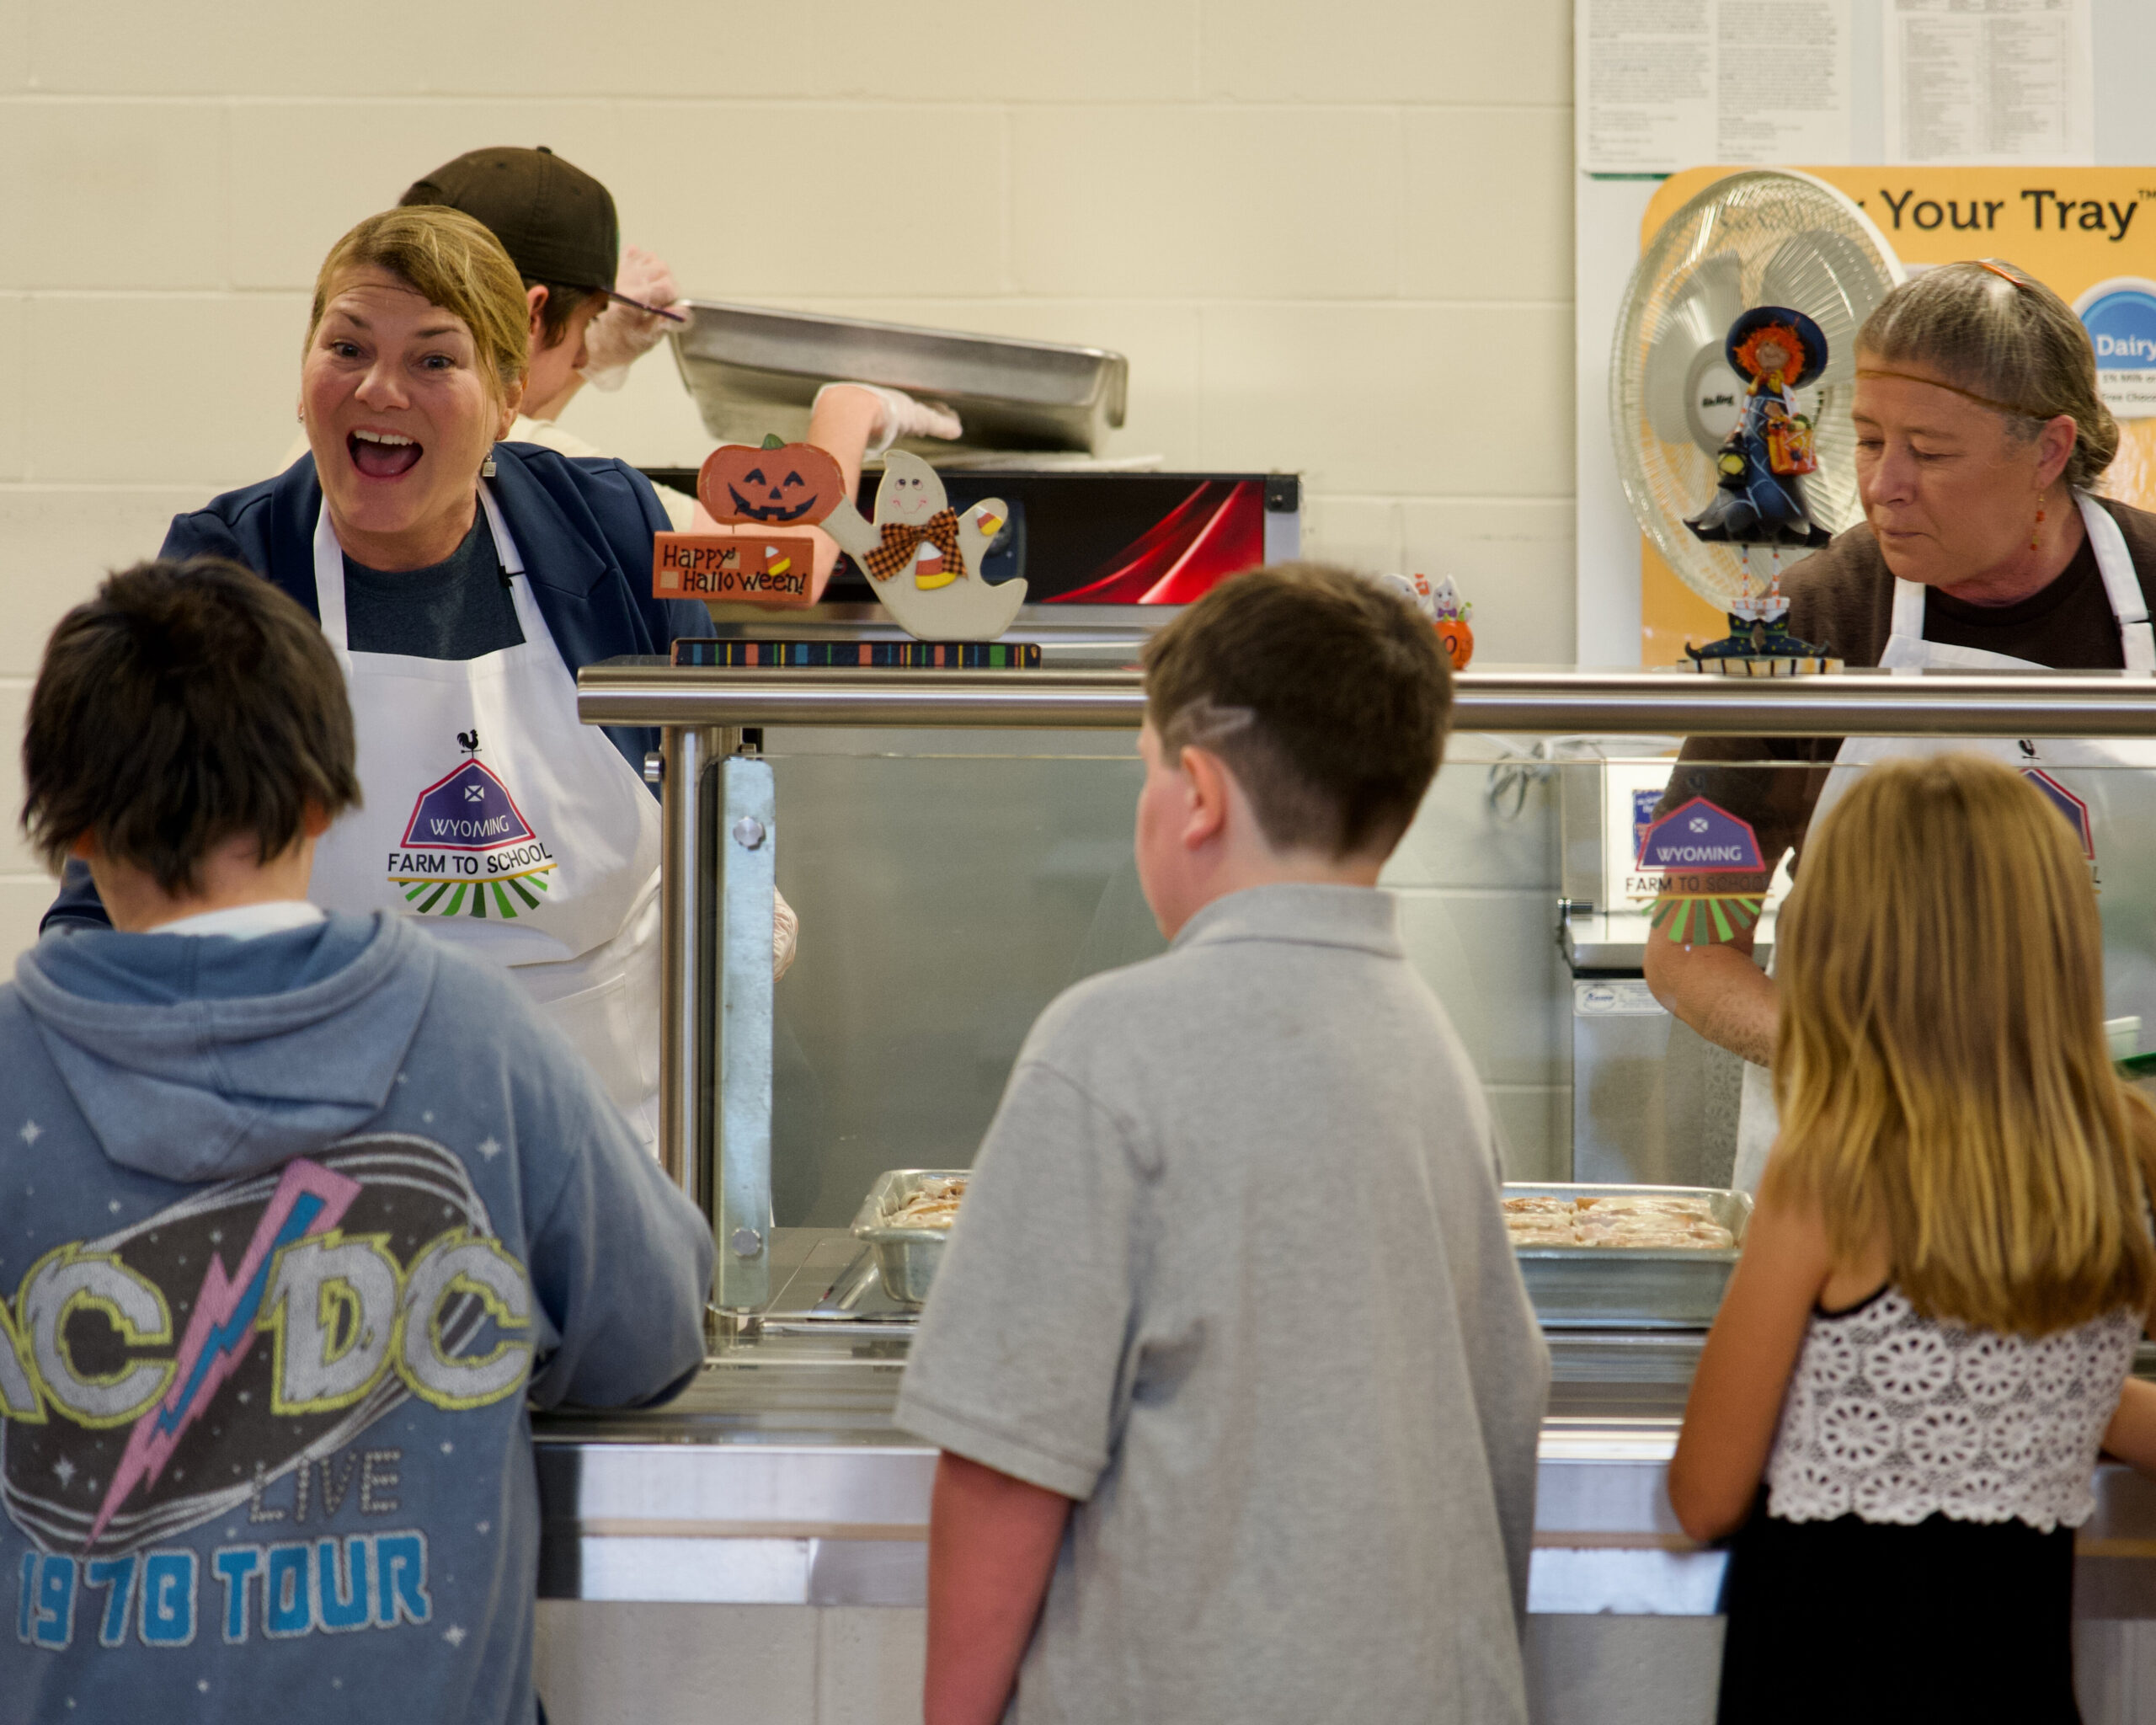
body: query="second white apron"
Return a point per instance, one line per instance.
(2114, 809)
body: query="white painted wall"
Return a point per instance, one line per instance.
(1330, 238)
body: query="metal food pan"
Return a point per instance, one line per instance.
(906, 1258)
(754, 369)
(1616, 1287)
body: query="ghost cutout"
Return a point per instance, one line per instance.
(935, 597)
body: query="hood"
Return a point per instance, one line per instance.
(206, 1058)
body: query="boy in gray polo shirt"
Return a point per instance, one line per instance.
(1236, 1384)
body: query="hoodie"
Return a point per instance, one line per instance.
(294, 1230)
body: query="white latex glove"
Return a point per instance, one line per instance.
(621, 335)
(785, 935)
(900, 415)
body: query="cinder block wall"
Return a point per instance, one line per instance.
(1332, 238)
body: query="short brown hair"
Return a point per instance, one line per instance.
(2004, 338)
(561, 305)
(1327, 696)
(453, 261)
(186, 704)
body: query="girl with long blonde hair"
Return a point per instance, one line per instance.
(1898, 1410)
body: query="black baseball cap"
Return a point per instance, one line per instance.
(556, 221)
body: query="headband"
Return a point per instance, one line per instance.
(2013, 280)
(1999, 407)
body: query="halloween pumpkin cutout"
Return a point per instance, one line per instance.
(1448, 616)
(1447, 611)
(779, 485)
(924, 557)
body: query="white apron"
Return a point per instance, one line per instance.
(2121, 806)
(505, 825)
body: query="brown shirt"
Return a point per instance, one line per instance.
(1842, 597)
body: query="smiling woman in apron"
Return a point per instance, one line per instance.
(1980, 431)
(461, 582)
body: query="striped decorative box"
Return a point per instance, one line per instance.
(897, 655)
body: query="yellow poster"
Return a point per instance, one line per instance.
(2089, 233)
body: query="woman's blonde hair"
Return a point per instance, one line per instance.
(2006, 339)
(454, 262)
(1940, 1062)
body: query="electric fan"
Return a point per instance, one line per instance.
(1760, 236)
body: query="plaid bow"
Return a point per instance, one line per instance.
(900, 542)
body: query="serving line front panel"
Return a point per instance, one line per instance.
(778, 1479)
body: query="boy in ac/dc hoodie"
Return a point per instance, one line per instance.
(297, 1215)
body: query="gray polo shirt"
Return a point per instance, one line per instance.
(1232, 1273)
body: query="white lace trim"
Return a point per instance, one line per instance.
(1895, 1417)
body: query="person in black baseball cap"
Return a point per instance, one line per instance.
(594, 313)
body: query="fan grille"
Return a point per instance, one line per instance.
(1757, 237)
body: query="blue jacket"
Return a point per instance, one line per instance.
(308, 1221)
(583, 526)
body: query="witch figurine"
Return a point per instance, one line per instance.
(1759, 494)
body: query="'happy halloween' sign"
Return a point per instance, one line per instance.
(773, 569)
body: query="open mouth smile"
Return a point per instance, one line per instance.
(383, 455)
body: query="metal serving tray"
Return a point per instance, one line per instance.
(1616, 1287)
(906, 1258)
(753, 368)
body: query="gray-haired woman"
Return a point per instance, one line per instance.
(1979, 432)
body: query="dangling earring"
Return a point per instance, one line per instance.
(487, 472)
(2033, 532)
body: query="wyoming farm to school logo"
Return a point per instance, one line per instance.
(1689, 861)
(467, 849)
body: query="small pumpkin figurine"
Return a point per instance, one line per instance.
(1449, 616)
(779, 485)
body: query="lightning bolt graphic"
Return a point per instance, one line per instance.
(309, 1199)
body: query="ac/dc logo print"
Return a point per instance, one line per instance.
(157, 1377)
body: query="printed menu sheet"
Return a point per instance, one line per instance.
(1666, 84)
(1971, 81)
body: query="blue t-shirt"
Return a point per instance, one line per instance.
(459, 608)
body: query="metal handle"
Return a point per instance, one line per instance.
(1854, 704)
(685, 903)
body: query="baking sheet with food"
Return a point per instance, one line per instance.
(1633, 1221)
(1607, 1257)
(907, 1221)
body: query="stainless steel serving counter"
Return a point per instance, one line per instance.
(715, 902)
(778, 1479)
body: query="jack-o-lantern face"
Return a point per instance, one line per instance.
(791, 485)
(1459, 640)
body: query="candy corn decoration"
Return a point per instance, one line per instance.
(931, 571)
